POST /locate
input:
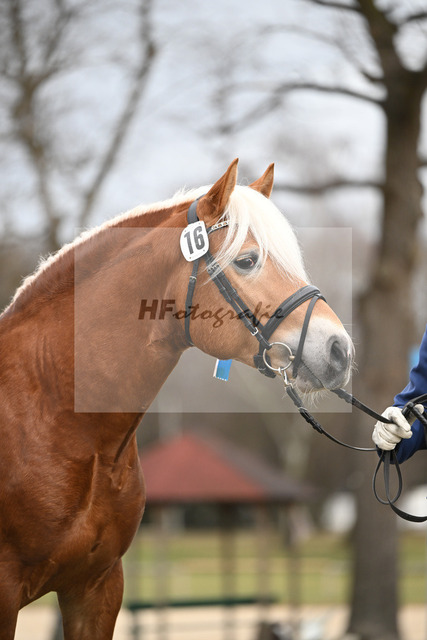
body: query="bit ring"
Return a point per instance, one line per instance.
(279, 370)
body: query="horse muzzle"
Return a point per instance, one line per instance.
(326, 364)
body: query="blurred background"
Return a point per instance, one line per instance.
(105, 104)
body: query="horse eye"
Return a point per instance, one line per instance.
(246, 263)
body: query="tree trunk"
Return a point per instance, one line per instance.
(386, 334)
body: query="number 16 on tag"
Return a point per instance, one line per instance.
(194, 241)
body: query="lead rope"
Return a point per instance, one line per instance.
(386, 458)
(315, 424)
(389, 457)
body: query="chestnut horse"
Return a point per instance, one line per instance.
(86, 344)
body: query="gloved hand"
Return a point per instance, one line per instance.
(387, 436)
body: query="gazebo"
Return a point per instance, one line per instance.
(190, 469)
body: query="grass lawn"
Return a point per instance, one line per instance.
(318, 571)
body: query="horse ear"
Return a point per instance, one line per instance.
(212, 205)
(264, 184)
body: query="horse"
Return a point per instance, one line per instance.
(85, 345)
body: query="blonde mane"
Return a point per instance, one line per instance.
(248, 212)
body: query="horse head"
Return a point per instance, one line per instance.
(255, 251)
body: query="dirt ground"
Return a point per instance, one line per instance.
(37, 622)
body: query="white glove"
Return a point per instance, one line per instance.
(387, 436)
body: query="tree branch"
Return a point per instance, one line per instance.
(18, 40)
(330, 185)
(331, 4)
(24, 112)
(274, 101)
(328, 41)
(128, 112)
(56, 34)
(421, 15)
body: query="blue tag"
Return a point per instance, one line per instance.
(222, 369)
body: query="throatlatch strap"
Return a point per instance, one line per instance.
(189, 300)
(191, 217)
(192, 212)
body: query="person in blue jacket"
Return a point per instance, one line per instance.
(408, 439)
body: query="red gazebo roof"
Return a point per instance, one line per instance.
(192, 469)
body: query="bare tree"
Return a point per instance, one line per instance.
(396, 80)
(386, 313)
(41, 45)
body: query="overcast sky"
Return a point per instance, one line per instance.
(174, 140)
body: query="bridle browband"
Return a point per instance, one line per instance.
(262, 362)
(261, 332)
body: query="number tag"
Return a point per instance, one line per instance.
(194, 241)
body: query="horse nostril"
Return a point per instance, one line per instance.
(339, 355)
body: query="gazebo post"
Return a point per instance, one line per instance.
(162, 573)
(228, 561)
(263, 542)
(293, 569)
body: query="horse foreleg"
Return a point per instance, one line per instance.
(8, 625)
(8, 621)
(10, 600)
(90, 613)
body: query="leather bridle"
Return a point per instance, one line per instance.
(262, 361)
(261, 332)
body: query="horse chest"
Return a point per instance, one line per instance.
(75, 524)
(111, 511)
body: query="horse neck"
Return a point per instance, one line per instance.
(98, 357)
(123, 356)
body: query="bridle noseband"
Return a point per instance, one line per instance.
(261, 332)
(262, 361)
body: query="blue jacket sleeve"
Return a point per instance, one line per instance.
(417, 385)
